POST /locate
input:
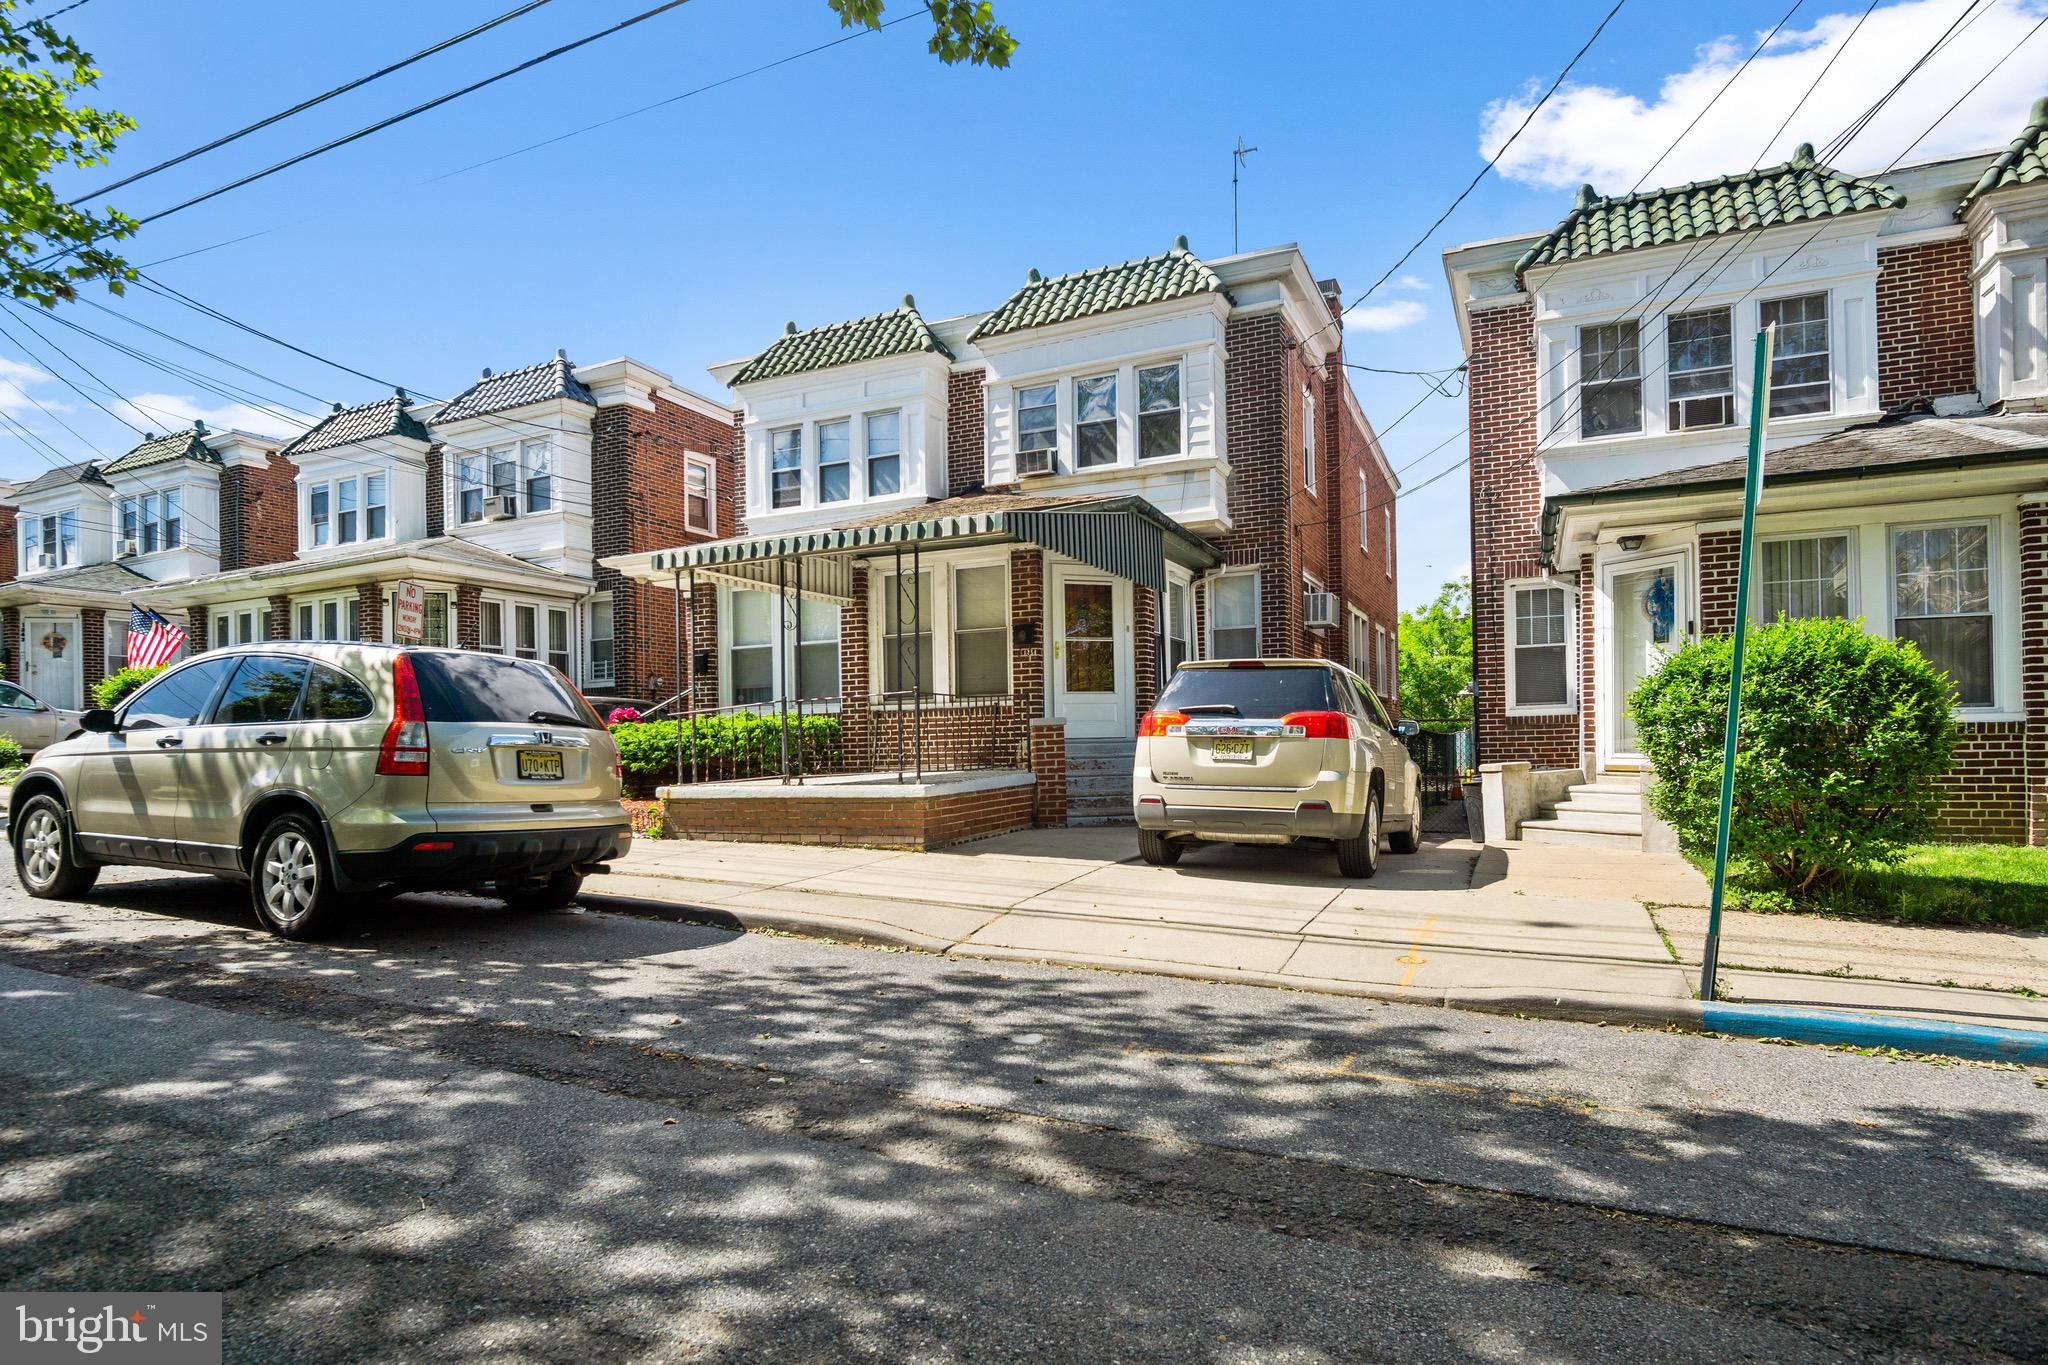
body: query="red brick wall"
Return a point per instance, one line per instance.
(437, 518)
(1049, 766)
(2034, 662)
(966, 406)
(1720, 563)
(1360, 577)
(10, 640)
(1925, 323)
(1985, 790)
(1027, 603)
(92, 649)
(259, 514)
(469, 620)
(636, 467)
(1589, 699)
(370, 611)
(280, 623)
(1262, 417)
(1144, 648)
(10, 557)
(1507, 504)
(870, 822)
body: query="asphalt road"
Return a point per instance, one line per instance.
(455, 1134)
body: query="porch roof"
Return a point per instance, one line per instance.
(442, 558)
(94, 585)
(1124, 535)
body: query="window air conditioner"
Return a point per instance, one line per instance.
(46, 560)
(503, 507)
(1319, 610)
(130, 547)
(1033, 464)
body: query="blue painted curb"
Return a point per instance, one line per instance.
(1977, 1041)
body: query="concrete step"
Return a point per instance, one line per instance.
(1550, 832)
(1100, 790)
(1595, 798)
(1590, 821)
(1100, 765)
(1630, 785)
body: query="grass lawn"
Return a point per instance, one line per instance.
(1987, 884)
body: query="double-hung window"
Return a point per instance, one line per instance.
(835, 460)
(981, 631)
(539, 460)
(330, 618)
(1610, 379)
(601, 656)
(1308, 440)
(907, 633)
(174, 519)
(1941, 601)
(786, 467)
(1387, 536)
(525, 630)
(884, 451)
(817, 650)
(345, 512)
(491, 627)
(1699, 349)
(752, 648)
(1234, 616)
(1801, 380)
(152, 524)
(376, 514)
(1359, 643)
(1539, 629)
(697, 485)
(1804, 576)
(470, 487)
(1159, 411)
(1095, 421)
(131, 524)
(504, 463)
(67, 539)
(1179, 626)
(1038, 418)
(319, 514)
(558, 639)
(32, 542)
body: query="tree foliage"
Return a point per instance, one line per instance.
(1435, 650)
(115, 688)
(1841, 738)
(40, 129)
(962, 30)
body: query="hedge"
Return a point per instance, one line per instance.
(735, 745)
(116, 687)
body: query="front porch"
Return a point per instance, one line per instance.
(927, 676)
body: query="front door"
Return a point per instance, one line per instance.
(1092, 668)
(49, 659)
(1648, 617)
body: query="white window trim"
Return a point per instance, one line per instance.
(1129, 416)
(1387, 536)
(785, 644)
(943, 569)
(1756, 566)
(1570, 705)
(588, 668)
(541, 607)
(1364, 513)
(1308, 439)
(2001, 699)
(319, 602)
(1834, 355)
(517, 454)
(693, 460)
(1358, 642)
(1209, 611)
(332, 484)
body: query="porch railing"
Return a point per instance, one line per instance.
(916, 733)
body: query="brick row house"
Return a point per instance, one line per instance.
(498, 502)
(1023, 519)
(1906, 468)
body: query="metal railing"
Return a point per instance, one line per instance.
(934, 732)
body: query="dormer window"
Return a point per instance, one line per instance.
(1611, 380)
(1038, 417)
(49, 542)
(1159, 425)
(344, 511)
(1699, 347)
(786, 467)
(539, 459)
(376, 517)
(524, 474)
(469, 478)
(1800, 378)
(835, 460)
(1095, 421)
(319, 513)
(153, 522)
(884, 450)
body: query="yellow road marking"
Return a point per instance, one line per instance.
(1413, 957)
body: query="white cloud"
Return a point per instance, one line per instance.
(170, 411)
(1410, 282)
(1608, 137)
(16, 380)
(1385, 317)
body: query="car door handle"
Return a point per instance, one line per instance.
(171, 742)
(272, 738)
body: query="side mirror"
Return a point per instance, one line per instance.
(1407, 729)
(99, 721)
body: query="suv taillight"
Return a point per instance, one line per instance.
(1159, 723)
(1318, 725)
(404, 752)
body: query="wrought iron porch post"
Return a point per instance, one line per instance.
(696, 762)
(782, 656)
(679, 671)
(895, 693)
(796, 643)
(916, 652)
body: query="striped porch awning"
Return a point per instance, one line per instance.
(1125, 536)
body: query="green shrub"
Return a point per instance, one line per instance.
(734, 745)
(1842, 737)
(115, 687)
(11, 756)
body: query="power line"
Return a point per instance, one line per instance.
(303, 105)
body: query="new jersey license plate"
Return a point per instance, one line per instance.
(1231, 750)
(546, 767)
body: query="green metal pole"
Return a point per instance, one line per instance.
(1752, 487)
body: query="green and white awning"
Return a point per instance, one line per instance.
(1125, 536)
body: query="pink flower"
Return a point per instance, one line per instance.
(622, 715)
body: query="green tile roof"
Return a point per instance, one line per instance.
(1801, 190)
(902, 332)
(178, 445)
(367, 422)
(2023, 163)
(1178, 274)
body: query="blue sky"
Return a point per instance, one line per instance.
(830, 186)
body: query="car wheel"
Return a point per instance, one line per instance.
(557, 892)
(289, 881)
(1403, 840)
(43, 856)
(1158, 850)
(1360, 856)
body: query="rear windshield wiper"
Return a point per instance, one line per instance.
(1206, 707)
(557, 718)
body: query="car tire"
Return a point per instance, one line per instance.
(291, 882)
(44, 858)
(557, 892)
(1403, 841)
(1158, 850)
(1360, 856)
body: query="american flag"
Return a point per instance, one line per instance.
(151, 639)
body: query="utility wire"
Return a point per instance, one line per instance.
(303, 105)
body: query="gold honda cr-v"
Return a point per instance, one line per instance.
(321, 772)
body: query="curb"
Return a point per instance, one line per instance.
(1978, 1042)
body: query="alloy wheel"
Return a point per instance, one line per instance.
(42, 846)
(291, 877)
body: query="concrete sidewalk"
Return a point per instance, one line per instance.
(1561, 932)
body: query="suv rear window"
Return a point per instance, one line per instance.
(483, 688)
(1256, 693)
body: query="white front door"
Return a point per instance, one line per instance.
(49, 659)
(1092, 667)
(1648, 615)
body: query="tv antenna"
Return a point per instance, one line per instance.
(1237, 159)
